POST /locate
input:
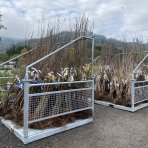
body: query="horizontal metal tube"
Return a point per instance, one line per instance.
(57, 92)
(90, 38)
(53, 116)
(140, 86)
(141, 101)
(140, 81)
(140, 63)
(57, 50)
(56, 83)
(6, 77)
(16, 57)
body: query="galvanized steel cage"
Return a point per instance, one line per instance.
(139, 92)
(42, 106)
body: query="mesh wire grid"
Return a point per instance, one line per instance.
(141, 94)
(56, 104)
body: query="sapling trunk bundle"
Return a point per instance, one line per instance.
(70, 64)
(114, 74)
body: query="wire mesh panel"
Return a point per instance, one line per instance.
(52, 61)
(52, 105)
(141, 91)
(60, 91)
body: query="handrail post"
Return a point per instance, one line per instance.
(133, 95)
(93, 46)
(93, 89)
(26, 108)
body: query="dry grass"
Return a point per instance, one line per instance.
(114, 74)
(67, 65)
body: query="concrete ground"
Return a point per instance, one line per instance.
(112, 128)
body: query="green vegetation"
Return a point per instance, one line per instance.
(13, 51)
(3, 57)
(6, 73)
(2, 91)
(16, 49)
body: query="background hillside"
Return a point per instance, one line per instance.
(100, 41)
(5, 43)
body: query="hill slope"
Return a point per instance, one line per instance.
(7, 42)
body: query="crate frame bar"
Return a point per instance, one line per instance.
(23, 133)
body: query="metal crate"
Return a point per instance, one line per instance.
(139, 93)
(42, 106)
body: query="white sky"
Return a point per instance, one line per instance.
(112, 18)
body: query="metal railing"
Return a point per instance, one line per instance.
(140, 91)
(61, 48)
(50, 104)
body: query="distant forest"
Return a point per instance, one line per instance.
(12, 47)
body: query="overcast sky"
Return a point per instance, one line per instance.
(113, 18)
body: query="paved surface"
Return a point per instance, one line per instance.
(112, 128)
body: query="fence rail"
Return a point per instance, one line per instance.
(140, 91)
(40, 106)
(48, 105)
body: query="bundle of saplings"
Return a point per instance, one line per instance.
(70, 64)
(114, 75)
